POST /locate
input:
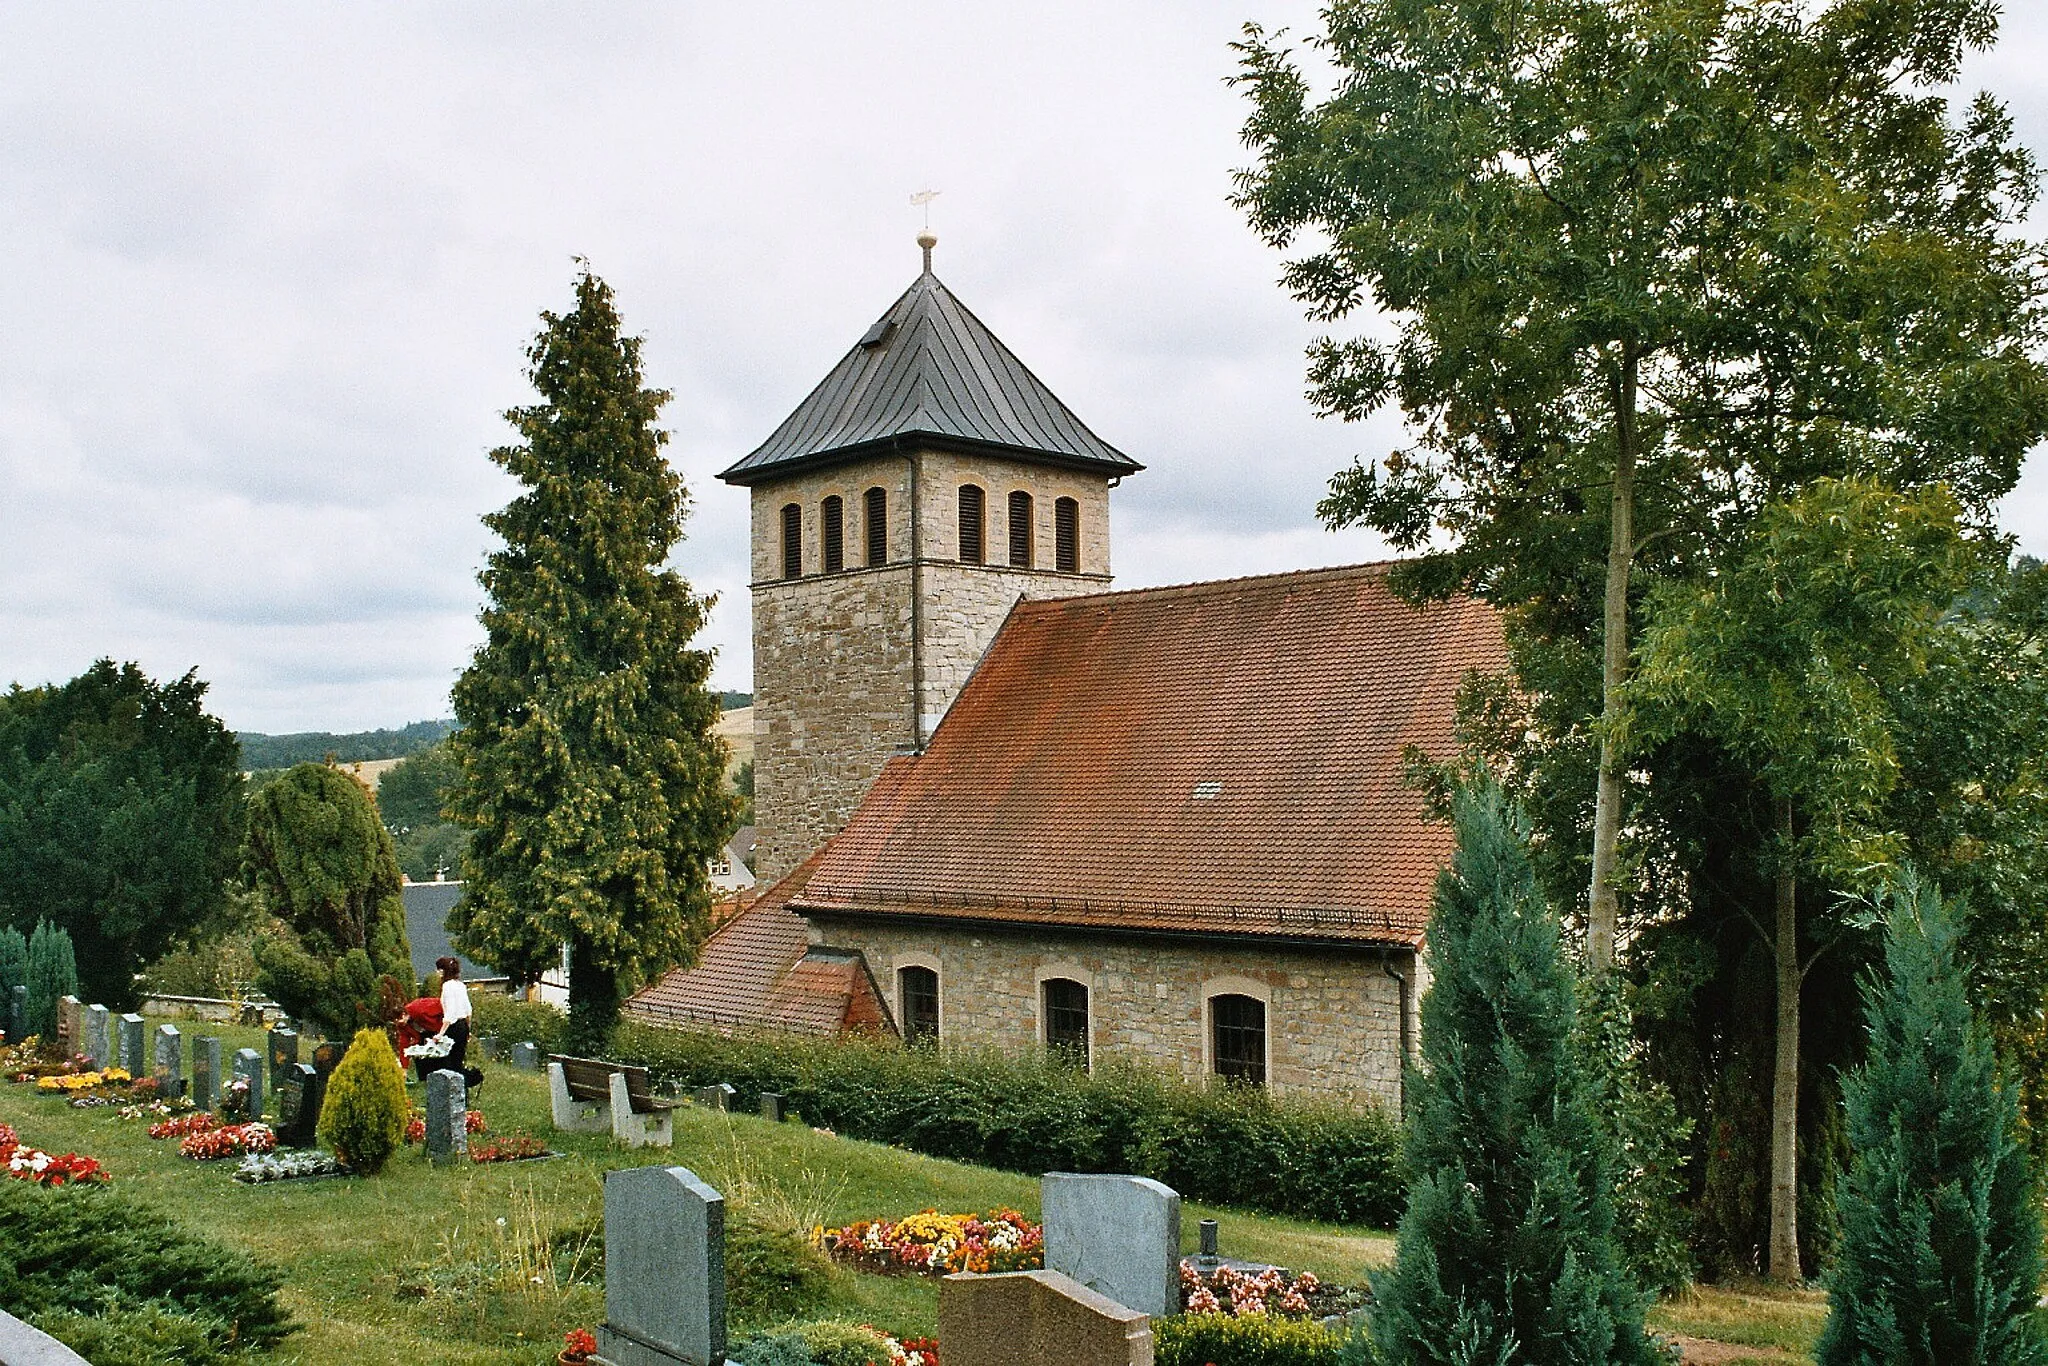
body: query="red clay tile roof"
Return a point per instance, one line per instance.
(755, 971)
(1215, 758)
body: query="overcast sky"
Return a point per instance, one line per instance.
(267, 273)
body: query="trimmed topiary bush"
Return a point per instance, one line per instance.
(363, 1120)
(1254, 1340)
(52, 974)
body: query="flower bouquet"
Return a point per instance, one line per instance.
(509, 1148)
(230, 1140)
(934, 1244)
(416, 1125)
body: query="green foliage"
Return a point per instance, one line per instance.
(1256, 1340)
(13, 960)
(222, 965)
(120, 801)
(425, 852)
(322, 863)
(506, 1020)
(363, 1117)
(592, 784)
(52, 974)
(1651, 1225)
(772, 1274)
(84, 1250)
(1312, 1159)
(260, 752)
(149, 1336)
(411, 792)
(844, 1344)
(1941, 1254)
(1508, 1247)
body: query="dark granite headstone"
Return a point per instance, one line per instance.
(206, 1072)
(168, 1066)
(526, 1056)
(249, 1067)
(17, 1014)
(771, 1105)
(134, 1045)
(284, 1051)
(327, 1056)
(298, 1105)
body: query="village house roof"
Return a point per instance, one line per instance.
(1217, 759)
(929, 369)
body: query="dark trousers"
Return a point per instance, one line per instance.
(458, 1038)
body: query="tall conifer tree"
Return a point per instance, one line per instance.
(1941, 1235)
(591, 782)
(1507, 1251)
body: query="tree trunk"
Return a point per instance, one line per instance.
(1602, 902)
(1785, 1076)
(593, 1000)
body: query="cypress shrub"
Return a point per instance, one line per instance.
(1941, 1236)
(52, 974)
(363, 1119)
(1309, 1158)
(13, 959)
(1507, 1251)
(1255, 1340)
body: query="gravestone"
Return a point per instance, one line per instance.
(771, 1105)
(1117, 1235)
(17, 1014)
(664, 1269)
(134, 1045)
(718, 1097)
(284, 1051)
(526, 1056)
(99, 1036)
(168, 1066)
(447, 1116)
(206, 1072)
(298, 1105)
(249, 1068)
(70, 1025)
(1026, 1318)
(327, 1056)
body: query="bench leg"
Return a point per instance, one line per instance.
(638, 1131)
(572, 1116)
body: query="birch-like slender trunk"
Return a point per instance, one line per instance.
(1784, 1265)
(1602, 902)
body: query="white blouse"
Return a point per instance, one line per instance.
(454, 1002)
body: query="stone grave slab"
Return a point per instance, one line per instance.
(664, 1269)
(134, 1045)
(298, 1105)
(206, 1072)
(1116, 1235)
(70, 1025)
(447, 1116)
(284, 1051)
(1027, 1318)
(249, 1067)
(771, 1106)
(526, 1056)
(17, 1014)
(716, 1097)
(99, 1036)
(167, 1067)
(327, 1056)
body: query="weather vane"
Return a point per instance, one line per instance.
(923, 200)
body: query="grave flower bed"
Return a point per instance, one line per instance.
(71, 1080)
(933, 1244)
(1269, 1291)
(24, 1163)
(257, 1168)
(230, 1140)
(416, 1125)
(509, 1148)
(189, 1124)
(152, 1109)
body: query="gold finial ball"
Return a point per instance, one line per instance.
(927, 239)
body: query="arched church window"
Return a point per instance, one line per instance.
(972, 515)
(878, 525)
(1020, 530)
(792, 541)
(1066, 535)
(918, 990)
(1064, 1008)
(834, 517)
(1237, 1038)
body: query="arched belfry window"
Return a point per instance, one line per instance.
(877, 514)
(973, 515)
(1066, 535)
(1020, 530)
(1064, 1008)
(834, 518)
(1237, 1038)
(918, 991)
(792, 541)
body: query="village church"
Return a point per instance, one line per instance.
(1000, 804)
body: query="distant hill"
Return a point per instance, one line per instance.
(282, 751)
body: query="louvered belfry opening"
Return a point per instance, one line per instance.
(1020, 530)
(973, 515)
(877, 516)
(1066, 535)
(792, 541)
(834, 519)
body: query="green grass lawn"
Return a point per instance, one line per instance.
(455, 1265)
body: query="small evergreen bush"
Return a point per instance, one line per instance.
(363, 1119)
(1941, 1231)
(52, 974)
(13, 960)
(845, 1344)
(1308, 1158)
(1254, 1340)
(506, 1020)
(96, 1268)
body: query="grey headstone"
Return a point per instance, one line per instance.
(99, 1036)
(1117, 1235)
(206, 1072)
(17, 1014)
(664, 1269)
(169, 1063)
(134, 1035)
(327, 1056)
(771, 1105)
(284, 1051)
(718, 1097)
(447, 1115)
(298, 1105)
(526, 1056)
(249, 1066)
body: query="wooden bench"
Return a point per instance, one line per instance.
(590, 1097)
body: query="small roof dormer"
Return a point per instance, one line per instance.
(929, 373)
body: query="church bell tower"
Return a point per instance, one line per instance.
(922, 488)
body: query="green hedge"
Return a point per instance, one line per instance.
(507, 1020)
(1033, 1113)
(1256, 1340)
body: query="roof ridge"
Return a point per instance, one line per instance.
(1203, 587)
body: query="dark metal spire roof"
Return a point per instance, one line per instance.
(928, 368)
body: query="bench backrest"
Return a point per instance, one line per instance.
(590, 1080)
